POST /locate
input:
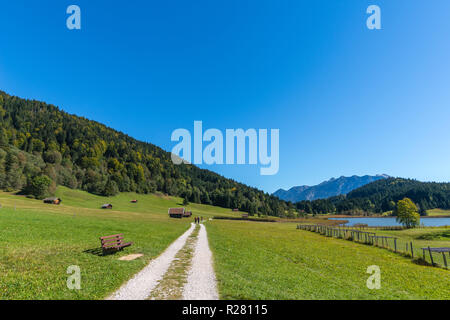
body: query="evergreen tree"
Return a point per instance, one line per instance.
(39, 186)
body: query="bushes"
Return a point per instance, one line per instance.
(110, 189)
(39, 186)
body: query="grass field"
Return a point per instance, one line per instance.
(438, 213)
(38, 242)
(422, 238)
(276, 261)
(146, 203)
(253, 260)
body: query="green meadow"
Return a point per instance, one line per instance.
(253, 260)
(38, 242)
(421, 238)
(277, 261)
(438, 213)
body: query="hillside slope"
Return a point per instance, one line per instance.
(38, 139)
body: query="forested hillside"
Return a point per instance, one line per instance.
(382, 195)
(42, 146)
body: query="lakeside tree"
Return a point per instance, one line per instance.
(407, 213)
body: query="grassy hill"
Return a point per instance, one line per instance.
(147, 203)
(42, 147)
(438, 213)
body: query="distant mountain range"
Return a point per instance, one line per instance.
(326, 189)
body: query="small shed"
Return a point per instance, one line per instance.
(187, 214)
(107, 206)
(176, 212)
(134, 201)
(235, 210)
(245, 216)
(52, 200)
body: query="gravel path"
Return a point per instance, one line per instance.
(201, 282)
(142, 284)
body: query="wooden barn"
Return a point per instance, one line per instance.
(52, 200)
(245, 216)
(134, 201)
(107, 206)
(187, 214)
(177, 213)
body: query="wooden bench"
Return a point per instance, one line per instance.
(114, 243)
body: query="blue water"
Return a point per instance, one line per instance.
(381, 222)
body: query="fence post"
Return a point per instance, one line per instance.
(445, 259)
(431, 256)
(395, 244)
(412, 251)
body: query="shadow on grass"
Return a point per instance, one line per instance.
(97, 252)
(100, 253)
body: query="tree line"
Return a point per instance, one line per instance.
(382, 196)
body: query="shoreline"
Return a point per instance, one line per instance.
(346, 216)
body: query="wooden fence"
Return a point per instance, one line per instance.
(391, 243)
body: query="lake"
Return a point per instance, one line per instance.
(382, 222)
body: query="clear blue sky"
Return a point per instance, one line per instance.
(347, 100)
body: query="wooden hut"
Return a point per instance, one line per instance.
(187, 214)
(176, 212)
(245, 216)
(107, 206)
(134, 201)
(52, 200)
